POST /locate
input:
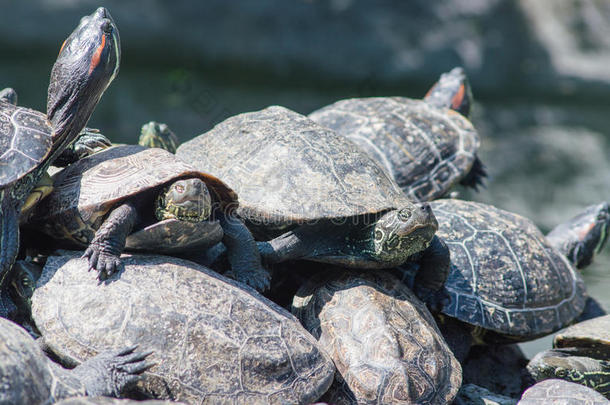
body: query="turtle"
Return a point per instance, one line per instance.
(555, 391)
(582, 236)
(426, 145)
(30, 141)
(309, 193)
(8, 95)
(215, 340)
(158, 135)
(146, 199)
(29, 377)
(581, 355)
(384, 342)
(506, 282)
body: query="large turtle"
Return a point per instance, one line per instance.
(215, 340)
(556, 391)
(29, 377)
(426, 145)
(100, 201)
(506, 282)
(581, 355)
(326, 199)
(384, 342)
(30, 141)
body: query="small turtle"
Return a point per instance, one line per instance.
(581, 355)
(111, 401)
(384, 342)
(30, 141)
(580, 238)
(506, 282)
(29, 377)
(326, 199)
(145, 198)
(215, 340)
(426, 145)
(561, 392)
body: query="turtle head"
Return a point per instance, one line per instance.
(24, 278)
(87, 63)
(8, 95)
(158, 135)
(186, 200)
(452, 91)
(403, 232)
(583, 236)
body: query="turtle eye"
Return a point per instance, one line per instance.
(180, 188)
(404, 214)
(378, 235)
(107, 27)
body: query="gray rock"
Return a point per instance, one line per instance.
(471, 394)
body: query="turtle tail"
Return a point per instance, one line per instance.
(9, 248)
(475, 177)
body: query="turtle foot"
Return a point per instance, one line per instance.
(258, 278)
(109, 373)
(104, 262)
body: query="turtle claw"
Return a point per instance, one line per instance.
(105, 263)
(257, 278)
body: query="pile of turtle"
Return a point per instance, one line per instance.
(166, 272)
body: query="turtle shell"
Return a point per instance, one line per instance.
(504, 275)
(26, 139)
(426, 149)
(592, 334)
(84, 192)
(554, 391)
(26, 374)
(214, 340)
(289, 170)
(384, 342)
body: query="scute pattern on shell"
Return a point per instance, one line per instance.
(214, 340)
(87, 189)
(424, 148)
(556, 391)
(287, 168)
(504, 275)
(25, 141)
(385, 344)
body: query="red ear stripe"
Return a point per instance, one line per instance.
(458, 98)
(62, 46)
(95, 59)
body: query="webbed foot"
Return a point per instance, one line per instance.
(103, 260)
(109, 373)
(258, 278)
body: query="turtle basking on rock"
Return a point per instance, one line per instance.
(30, 141)
(384, 342)
(426, 145)
(215, 340)
(581, 355)
(146, 194)
(316, 194)
(29, 377)
(507, 283)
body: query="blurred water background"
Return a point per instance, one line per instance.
(540, 73)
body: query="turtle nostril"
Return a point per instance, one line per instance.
(425, 207)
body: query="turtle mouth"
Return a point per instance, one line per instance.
(421, 236)
(186, 212)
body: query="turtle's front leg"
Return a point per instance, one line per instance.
(243, 254)
(434, 264)
(105, 249)
(89, 141)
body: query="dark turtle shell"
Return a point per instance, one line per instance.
(504, 274)
(26, 139)
(426, 149)
(289, 170)
(84, 192)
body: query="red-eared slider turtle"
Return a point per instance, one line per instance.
(426, 145)
(158, 135)
(384, 342)
(30, 141)
(29, 377)
(506, 282)
(326, 199)
(581, 355)
(215, 340)
(561, 392)
(99, 201)
(580, 238)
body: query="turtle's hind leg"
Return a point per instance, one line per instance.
(9, 248)
(476, 176)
